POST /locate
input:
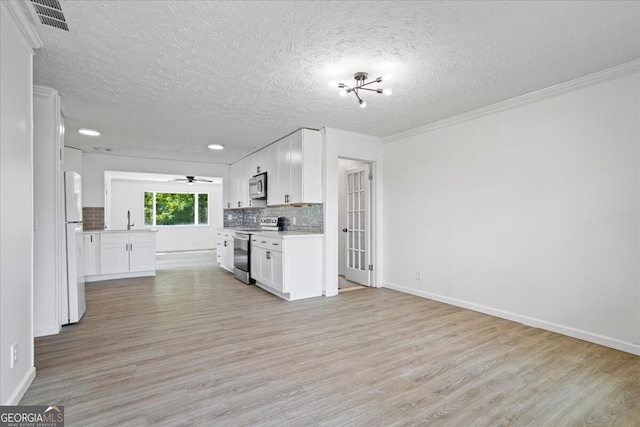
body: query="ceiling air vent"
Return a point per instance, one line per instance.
(50, 13)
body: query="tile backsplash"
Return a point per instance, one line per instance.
(308, 217)
(93, 219)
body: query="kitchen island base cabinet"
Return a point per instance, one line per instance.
(289, 266)
(123, 255)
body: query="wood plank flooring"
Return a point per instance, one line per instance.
(193, 347)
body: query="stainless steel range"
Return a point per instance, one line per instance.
(242, 247)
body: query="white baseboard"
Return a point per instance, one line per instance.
(22, 388)
(46, 330)
(529, 321)
(114, 276)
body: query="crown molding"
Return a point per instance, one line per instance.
(17, 14)
(559, 89)
(43, 92)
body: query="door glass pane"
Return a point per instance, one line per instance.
(362, 266)
(361, 204)
(362, 246)
(362, 223)
(350, 185)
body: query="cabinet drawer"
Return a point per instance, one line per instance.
(269, 243)
(142, 237)
(114, 238)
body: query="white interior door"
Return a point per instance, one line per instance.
(358, 230)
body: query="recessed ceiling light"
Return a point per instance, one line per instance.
(89, 132)
(215, 146)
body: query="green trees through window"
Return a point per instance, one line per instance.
(175, 208)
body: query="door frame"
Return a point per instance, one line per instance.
(367, 149)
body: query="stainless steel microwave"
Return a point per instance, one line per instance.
(258, 186)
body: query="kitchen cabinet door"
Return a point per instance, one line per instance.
(262, 265)
(91, 254)
(243, 182)
(114, 256)
(255, 263)
(232, 187)
(272, 174)
(227, 251)
(296, 177)
(258, 162)
(142, 252)
(283, 148)
(277, 271)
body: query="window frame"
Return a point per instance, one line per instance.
(196, 209)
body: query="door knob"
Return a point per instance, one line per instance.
(344, 230)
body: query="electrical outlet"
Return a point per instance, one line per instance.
(418, 274)
(14, 354)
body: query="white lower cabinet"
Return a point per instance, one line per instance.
(267, 267)
(142, 252)
(224, 248)
(288, 265)
(122, 254)
(114, 253)
(91, 254)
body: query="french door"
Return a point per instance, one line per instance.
(358, 238)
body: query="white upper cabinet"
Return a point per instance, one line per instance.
(280, 191)
(258, 162)
(239, 184)
(233, 188)
(294, 171)
(271, 158)
(243, 182)
(299, 169)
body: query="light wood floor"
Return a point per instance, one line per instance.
(194, 347)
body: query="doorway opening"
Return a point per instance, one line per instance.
(355, 220)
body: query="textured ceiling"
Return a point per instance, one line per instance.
(163, 79)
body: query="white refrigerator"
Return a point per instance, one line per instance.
(72, 300)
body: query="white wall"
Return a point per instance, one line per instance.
(531, 213)
(16, 209)
(348, 145)
(46, 211)
(95, 165)
(129, 195)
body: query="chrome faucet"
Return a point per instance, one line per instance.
(129, 224)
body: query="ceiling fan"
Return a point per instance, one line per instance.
(190, 179)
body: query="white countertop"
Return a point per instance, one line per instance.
(283, 234)
(140, 230)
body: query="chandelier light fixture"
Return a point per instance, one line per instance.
(359, 84)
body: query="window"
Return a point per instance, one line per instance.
(175, 208)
